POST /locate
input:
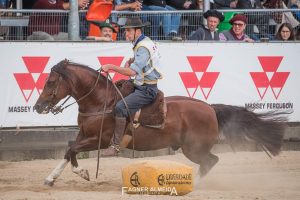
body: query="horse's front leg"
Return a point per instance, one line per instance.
(56, 172)
(81, 144)
(87, 144)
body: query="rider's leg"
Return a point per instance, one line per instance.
(140, 97)
(114, 148)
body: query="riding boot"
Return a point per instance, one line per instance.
(114, 148)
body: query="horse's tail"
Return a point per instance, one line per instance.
(239, 124)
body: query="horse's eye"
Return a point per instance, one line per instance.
(50, 83)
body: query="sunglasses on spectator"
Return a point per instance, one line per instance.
(238, 24)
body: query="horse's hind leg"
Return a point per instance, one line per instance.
(207, 163)
(202, 156)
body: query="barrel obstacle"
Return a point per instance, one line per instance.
(157, 177)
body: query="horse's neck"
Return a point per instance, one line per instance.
(87, 83)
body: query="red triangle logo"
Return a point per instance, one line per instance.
(26, 84)
(115, 60)
(118, 77)
(270, 63)
(260, 79)
(35, 64)
(207, 82)
(199, 63)
(262, 91)
(208, 79)
(189, 79)
(270, 76)
(190, 82)
(41, 82)
(278, 81)
(191, 91)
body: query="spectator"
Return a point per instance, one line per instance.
(5, 4)
(199, 4)
(28, 4)
(257, 22)
(189, 21)
(297, 34)
(237, 32)
(295, 4)
(224, 4)
(107, 31)
(182, 4)
(124, 5)
(281, 17)
(170, 22)
(4, 30)
(130, 5)
(285, 33)
(209, 32)
(248, 4)
(50, 24)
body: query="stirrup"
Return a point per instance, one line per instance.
(116, 148)
(112, 150)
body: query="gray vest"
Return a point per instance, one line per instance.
(204, 34)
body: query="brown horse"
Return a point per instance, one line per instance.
(190, 124)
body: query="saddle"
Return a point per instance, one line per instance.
(152, 115)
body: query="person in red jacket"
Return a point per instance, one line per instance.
(50, 24)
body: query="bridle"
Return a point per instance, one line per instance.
(58, 109)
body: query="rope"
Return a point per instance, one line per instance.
(101, 128)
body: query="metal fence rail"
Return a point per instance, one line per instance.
(19, 24)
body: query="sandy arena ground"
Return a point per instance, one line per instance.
(237, 176)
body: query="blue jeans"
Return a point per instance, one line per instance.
(142, 96)
(170, 22)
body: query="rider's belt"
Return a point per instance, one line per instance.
(148, 82)
(149, 85)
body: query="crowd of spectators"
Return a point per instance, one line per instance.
(179, 25)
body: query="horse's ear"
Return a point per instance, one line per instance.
(59, 67)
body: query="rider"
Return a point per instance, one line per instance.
(144, 68)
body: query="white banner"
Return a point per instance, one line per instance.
(261, 76)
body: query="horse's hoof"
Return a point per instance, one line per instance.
(49, 183)
(84, 173)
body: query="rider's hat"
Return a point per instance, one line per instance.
(135, 22)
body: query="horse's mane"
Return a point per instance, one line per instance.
(125, 86)
(62, 65)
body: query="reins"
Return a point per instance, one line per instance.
(58, 109)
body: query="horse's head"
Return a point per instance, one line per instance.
(55, 89)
